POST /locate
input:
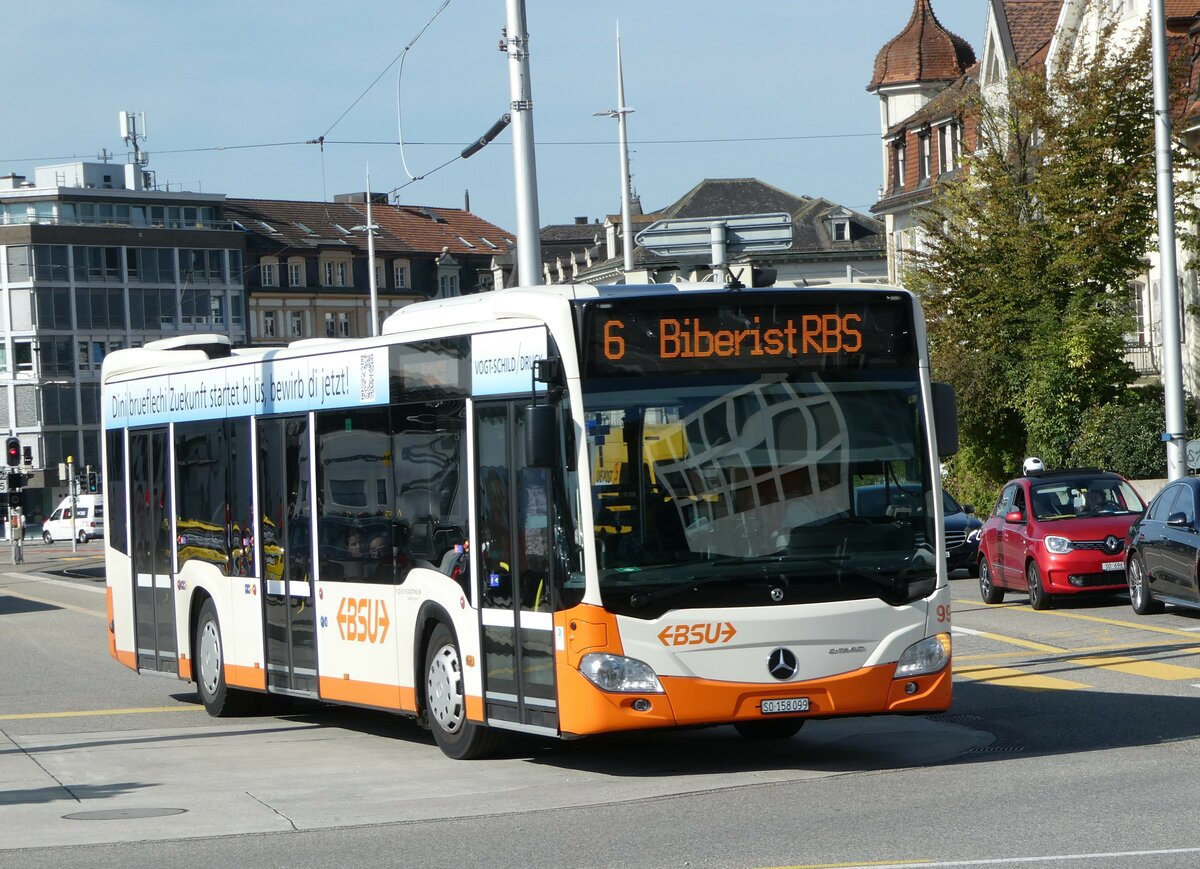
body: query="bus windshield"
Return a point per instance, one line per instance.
(740, 487)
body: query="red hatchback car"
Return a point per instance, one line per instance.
(1058, 533)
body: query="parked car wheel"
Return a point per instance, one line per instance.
(1038, 599)
(1140, 598)
(989, 592)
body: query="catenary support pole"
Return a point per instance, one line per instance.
(529, 243)
(1175, 435)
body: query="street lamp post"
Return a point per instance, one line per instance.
(370, 228)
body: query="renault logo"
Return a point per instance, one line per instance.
(782, 664)
(1112, 544)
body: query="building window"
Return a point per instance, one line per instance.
(447, 286)
(268, 270)
(343, 324)
(296, 324)
(949, 147)
(380, 278)
(295, 273)
(841, 230)
(400, 270)
(898, 165)
(268, 321)
(335, 272)
(330, 325)
(924, 143)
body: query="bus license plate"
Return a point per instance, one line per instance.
(785, 704)
(1113, 565)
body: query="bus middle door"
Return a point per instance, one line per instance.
(512, 546)
(154, 587)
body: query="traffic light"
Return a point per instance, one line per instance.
(93, 481)
(12, 451)
(14, 500)
(15, 480)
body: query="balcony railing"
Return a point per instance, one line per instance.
(44, 220)
(1143, 357)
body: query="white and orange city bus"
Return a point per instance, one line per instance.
(556, 510)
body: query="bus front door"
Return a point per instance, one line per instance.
(512, 550)
(154, 587)
(286, 556)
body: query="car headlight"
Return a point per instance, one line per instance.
(1059, 545)
(619, 674)
(925, 657)
(974, 534)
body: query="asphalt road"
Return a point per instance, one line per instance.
(1072, 742)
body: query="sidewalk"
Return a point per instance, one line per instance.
(87, 562)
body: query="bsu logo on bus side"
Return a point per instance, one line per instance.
(363, 620)
(709, 633)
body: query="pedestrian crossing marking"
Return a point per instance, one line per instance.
(1149, 669)
(1009, 678)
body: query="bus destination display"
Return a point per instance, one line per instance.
(856, 333)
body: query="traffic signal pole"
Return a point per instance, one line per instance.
(74, 484)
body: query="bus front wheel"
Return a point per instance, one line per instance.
(446, 701)
(218, 699)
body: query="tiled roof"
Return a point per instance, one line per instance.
(1181, 8)
(402, 229)
(430, 230)
(716, 197)
(1031, 26)
(300, 225)
(924, 51)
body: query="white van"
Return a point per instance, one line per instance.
(89, 520)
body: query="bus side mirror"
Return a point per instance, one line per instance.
(541, 435)
(945, 419)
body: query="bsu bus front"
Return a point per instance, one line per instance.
(563, 511)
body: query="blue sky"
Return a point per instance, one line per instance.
(223, 75)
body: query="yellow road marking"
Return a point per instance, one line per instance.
(1149, 669)
(54, 603)
(1009, 678)
(24, 716)
(1141, 626)
(1017, 641)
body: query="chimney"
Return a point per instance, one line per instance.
(581, 221)
(466, 200)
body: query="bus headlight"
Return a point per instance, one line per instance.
(925, 657)
(618, 674)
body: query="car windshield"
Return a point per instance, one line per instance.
(753, 491)
(1084, 497)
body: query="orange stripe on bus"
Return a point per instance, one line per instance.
(185, 668)
(239, 676)
(585, 709)
(588, 629)
(110, 622)
(375, 694)
(129, 659)
(475, 708)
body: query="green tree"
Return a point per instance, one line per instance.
(1026, 258)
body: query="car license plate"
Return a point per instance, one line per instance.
(785, 704)
(1113, 565)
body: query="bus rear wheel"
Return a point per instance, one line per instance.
(770, 728)
(446, 701)
(218, 699)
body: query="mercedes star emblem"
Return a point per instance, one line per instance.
(782, 664)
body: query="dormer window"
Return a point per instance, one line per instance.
(841, 230)
(949, 147)
(898, 164)
(925, 149)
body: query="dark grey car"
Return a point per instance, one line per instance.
(1164, 551)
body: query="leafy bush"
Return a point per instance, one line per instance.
(1126, 435)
